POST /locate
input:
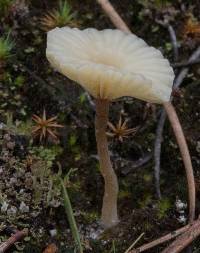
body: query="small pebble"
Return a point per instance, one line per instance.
(23, 207)
(182, 219)
(4, 207)
(180, 205)
(53, 232)
(12, 210)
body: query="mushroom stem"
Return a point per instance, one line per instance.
(109, 216)
(180, 138)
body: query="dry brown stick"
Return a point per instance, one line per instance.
(157, 148)
(163, 115)
(161, 240)
(183, 73)
(172, 35)
(178, 81)
(18, 236)
(174, 41)
(185, 63)
(185, 239)
(180, 138)
(169, 109)
(113, 15)
(157, 151)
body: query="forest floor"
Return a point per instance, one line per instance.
(30, 169)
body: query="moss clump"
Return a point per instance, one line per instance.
(6, 45)
(163, 206)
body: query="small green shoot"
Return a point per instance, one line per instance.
(163, 207)
(6, 45)
(134, 243)
(63, 13)
(59, 17)
(113, 249)
(19, 81)
(70, 214)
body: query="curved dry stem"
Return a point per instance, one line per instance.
(161, 240)
(113, 15)
(185, 239)
(180, 138)
(109, 216)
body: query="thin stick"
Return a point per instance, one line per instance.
(185, 63)
(180, 138)
(195, 55)
(185, 239)
(113, 15)
(157, 151)
(178, 81)
(161, 240)
(134, 243)
(175, 125)
(174, 41)
(18, 236)
(161, 122)
(172, 35)
(132, 166)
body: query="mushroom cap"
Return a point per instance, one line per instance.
(110, 63)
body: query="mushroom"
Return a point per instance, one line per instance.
(110, 64)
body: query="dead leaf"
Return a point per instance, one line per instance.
(51, 248)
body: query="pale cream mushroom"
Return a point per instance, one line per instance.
(110, 64)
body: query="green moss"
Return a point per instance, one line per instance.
(163, 206)
(147, 177)
(46, 154)
(6, 45)
(19, 81)
(90, 217)
(147, 199)
(124, 194)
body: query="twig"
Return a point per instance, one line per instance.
(185, 63)
(161, 122)
(172, 35)
(157, 151)
(134, 243)
(157, 147)
(161, 240)
(132, 165)
(185, 239)
(113, 15)
(17, 236)
(183, 73)
(180, 138)
(174, 41)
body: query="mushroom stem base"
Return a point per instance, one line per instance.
(109, 216)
